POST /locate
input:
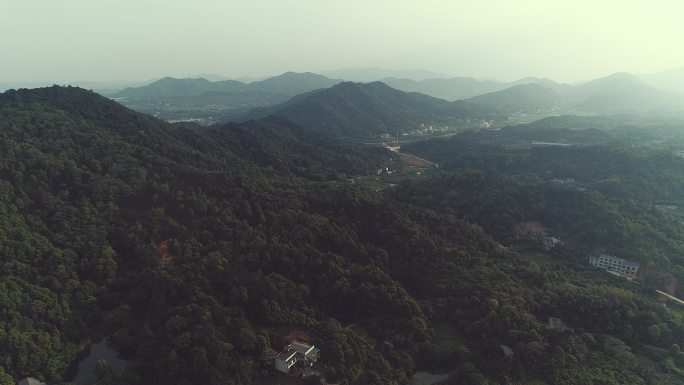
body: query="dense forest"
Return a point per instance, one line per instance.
(605, 155)
(198, 251)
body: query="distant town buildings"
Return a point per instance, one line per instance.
(563, 180)
(296, 354)
(615, 265)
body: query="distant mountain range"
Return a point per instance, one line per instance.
(201, 100)
(619, 92)
(522, 97)
(353, 109)
(287, 84)
(671, 80)
(363, 109)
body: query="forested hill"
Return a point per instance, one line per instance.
(198, 252)
(89, 192)
(195, 260)
(272, 143)
(611, 184)
(363, 110)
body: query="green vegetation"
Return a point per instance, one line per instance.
(197, 251)
(357, 110)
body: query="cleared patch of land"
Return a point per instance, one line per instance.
(414, 161)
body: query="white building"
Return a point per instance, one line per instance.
(563, 180)
(30, 381)
(616, 265)
(297, 353)
(550, 242)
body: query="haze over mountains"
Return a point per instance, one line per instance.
(364, 110)
(447, 88)
(213, 101)
(615, 93)
(359, 74)
(287, 84)
(406, 105)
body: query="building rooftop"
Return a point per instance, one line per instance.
(286, 354)
(301, 347)
(623, 261)
(30, 381)
(532, 225)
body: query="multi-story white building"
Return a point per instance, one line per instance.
(616, 265)
(296, 353)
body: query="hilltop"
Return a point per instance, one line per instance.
(522, 97)
(369, 109)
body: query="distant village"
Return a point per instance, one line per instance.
(426, 129)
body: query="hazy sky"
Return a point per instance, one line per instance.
(67, 40)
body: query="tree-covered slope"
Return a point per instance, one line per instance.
(82, 179)
(199, 251)
(600, 153)
(364, 110)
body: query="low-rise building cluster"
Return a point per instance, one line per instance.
(563, 180)
(298, 354)
(616, 265)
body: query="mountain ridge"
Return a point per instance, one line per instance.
(288, 84)
(351, 109)
(619, 92)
